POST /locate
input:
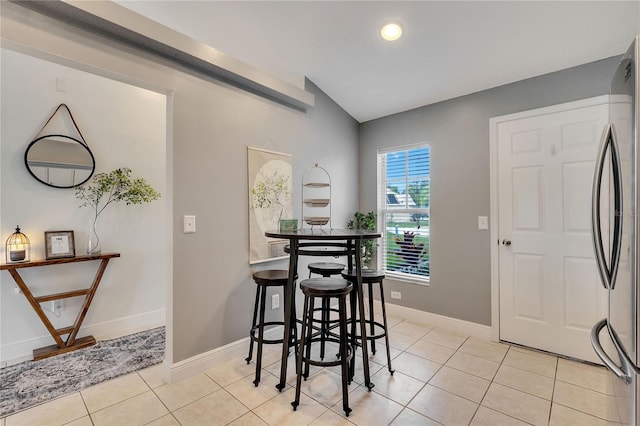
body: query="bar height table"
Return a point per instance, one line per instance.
(343, 242)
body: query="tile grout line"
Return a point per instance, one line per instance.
(161, 401)
(86, 408)
(487, 391)
(555, 383)
(406, 406)
(490, 383)
(553, 390)
(191, 402)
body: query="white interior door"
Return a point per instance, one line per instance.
(549, 291)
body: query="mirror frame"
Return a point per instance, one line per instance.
(83, 144)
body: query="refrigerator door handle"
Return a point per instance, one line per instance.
(626, 361)
(616, 245)
(608, 362)
(596, 231)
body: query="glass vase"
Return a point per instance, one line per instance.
(93, 240)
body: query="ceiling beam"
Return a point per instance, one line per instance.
(124, 25)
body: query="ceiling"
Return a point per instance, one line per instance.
(449, 49)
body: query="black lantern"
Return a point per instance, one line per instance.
(18, 248)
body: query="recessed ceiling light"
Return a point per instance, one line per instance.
(391, 31)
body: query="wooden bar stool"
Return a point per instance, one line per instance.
(326, 269)
(324, 288)
(264, 279)
(370, 277)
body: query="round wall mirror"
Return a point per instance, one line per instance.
(59, 161)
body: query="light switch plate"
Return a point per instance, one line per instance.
(189, 224)
(61, 84)
(483, 222)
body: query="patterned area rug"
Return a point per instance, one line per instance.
(34, 382)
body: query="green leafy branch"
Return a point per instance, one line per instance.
(114, 187)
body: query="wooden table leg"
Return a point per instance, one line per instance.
(72, 342)
(87, 302)
(36, 307)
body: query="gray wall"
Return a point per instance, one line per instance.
(210, 125)
(212, 287)
(458, 132)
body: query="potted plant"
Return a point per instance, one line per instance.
(368, 222)
(108, 188)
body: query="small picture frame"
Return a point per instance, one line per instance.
(288, 225)
(59, 244)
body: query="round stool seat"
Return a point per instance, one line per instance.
(271, 277)
(325, 287)
(368, 275)
(326, 268)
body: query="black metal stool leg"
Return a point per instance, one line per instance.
(260, 335)
(296, 402)
(324, 321)
(309, 336)
(372, 326)
(294, 324)
(344, 341)
(252, 331)
(386, 329)
(353, 297)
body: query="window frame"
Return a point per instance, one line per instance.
(383, 210)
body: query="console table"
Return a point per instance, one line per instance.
(71, 343)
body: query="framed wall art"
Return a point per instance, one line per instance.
(270, 200)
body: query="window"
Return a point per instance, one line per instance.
(403, 212)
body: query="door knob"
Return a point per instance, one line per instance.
(506, 242)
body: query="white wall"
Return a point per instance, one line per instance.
(124, 126)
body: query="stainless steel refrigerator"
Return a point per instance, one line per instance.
(615, 237)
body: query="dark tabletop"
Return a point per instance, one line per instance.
(325, 234)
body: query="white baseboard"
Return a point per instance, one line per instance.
(205, 361)
(23, 350)
(453, 324)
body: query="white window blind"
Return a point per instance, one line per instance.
(403, 212)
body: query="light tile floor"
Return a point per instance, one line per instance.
(440, 378)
